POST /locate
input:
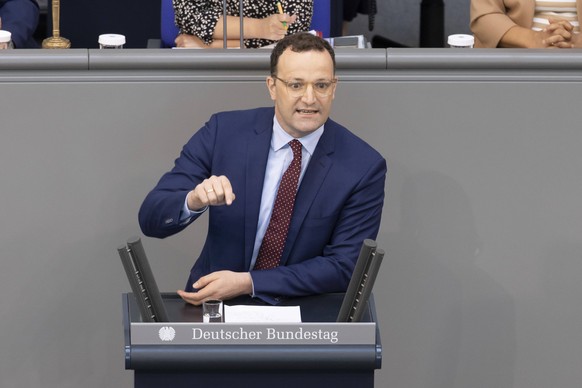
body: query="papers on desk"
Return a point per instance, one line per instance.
(262, 314)
(351, 41)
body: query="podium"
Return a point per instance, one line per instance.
(315, 353)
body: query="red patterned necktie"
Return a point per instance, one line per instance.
(276, 234)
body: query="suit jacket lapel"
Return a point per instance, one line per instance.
(314, 177)
(258, 144)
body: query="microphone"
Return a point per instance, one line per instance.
(361, 284)
(142, 281)
(373, 9)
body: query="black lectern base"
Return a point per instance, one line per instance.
(237, 365)
(254, 379)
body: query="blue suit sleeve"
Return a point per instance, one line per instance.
(20, 17)
(160, 212)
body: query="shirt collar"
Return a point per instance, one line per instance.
(281, 138)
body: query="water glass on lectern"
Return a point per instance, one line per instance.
(212, 311)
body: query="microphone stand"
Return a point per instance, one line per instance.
(224, 29)
(241, 24)
(242, 45)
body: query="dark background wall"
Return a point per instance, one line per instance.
(399, 20)
(82, 21)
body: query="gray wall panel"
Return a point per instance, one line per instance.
(482, 224)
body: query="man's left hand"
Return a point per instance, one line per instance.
(222, 285)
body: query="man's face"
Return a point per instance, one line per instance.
(302, 114)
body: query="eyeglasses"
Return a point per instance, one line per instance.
(323, 88)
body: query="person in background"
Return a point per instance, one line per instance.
(526, 23)
(291, 194)
(265, 22)
(20, 18)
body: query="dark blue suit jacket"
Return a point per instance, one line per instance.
(338, 204)
(20, 17)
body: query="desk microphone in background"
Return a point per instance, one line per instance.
(373, 9)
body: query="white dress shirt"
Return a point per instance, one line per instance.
(280, 157)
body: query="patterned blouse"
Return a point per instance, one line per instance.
(199, 17)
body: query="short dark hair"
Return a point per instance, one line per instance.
(299, 43)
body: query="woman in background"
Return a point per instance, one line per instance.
(526, 23)
(201, 21)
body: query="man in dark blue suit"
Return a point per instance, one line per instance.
(232, 168)
(20, 17)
